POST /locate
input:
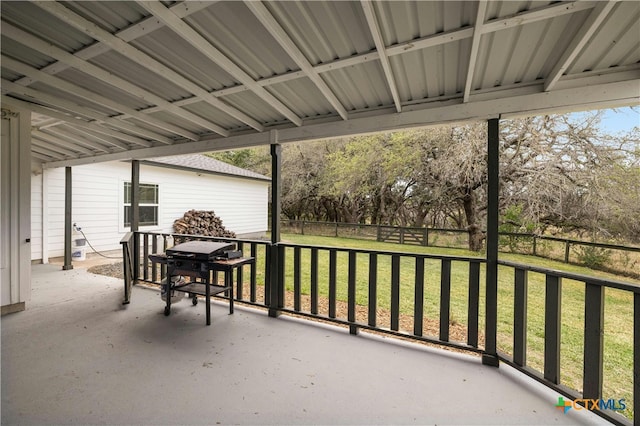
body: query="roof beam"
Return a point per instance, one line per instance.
(40, 148)
(106, 139)
(374, 29)
(283, 39)
(93, 97)
(36, 137)
(82, 141)
(475, 47)
(72, 107)
(70, 120)
(141, 58)
(177, 25)
(578, 43)
(60, 55)
(537, 14)
(39, 156)
(64, 143)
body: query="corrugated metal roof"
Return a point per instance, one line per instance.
(195, 76)
(200, 162)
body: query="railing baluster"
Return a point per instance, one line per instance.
(281, 283)
(474, 303)
(296, 279)
(254, 272)
(552, 321)
(351, 298)
(593, 341)
(332, 283)
(314, 281)
(154, 249)
(395, 292)
(418, 308)
(520, 317)
(373, 288)
(445, 299)
(267, 275)
(145, 259)
(163, 266)
(239, 294)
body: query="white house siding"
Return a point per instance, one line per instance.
(36, 216)
(97, 202)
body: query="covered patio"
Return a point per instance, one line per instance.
(86, 82)
(78, 356)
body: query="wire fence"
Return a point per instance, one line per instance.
(618, 259)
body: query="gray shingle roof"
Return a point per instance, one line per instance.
(203, 163)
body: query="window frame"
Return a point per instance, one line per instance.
(122, 205)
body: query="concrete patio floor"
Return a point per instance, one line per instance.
(77, 356)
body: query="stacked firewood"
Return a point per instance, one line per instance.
(201, 222)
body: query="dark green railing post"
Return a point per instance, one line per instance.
(135, 216)
(474, 304)
(520, 317)
(593, 341)
(395, 292)
(552, 324)
(351, 289)
(127, 266)
(445, 299)
(276, 285)
(418, 310)
(68, 264)
(490, 355)
(373, 288)
(636, 353)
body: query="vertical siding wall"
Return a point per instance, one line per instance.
(36, 216)
(98, 198)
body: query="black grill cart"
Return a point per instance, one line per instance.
(200, 260)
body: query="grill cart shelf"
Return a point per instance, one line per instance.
(199, 260)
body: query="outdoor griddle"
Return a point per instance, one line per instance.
(201, 260)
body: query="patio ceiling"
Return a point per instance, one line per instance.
(121, 79)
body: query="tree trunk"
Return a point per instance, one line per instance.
(475, 233)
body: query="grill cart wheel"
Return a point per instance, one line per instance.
(167, 311)
(194, 300)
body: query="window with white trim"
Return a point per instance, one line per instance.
(148, 204)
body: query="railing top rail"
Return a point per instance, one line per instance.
(126, 238)
(205, 237)
(606, 282)
(388, 253)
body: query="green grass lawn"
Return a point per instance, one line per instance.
(618, 334)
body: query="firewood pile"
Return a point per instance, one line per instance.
(201, 222)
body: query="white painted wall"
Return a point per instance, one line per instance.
(98, 194)
(36, 216)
